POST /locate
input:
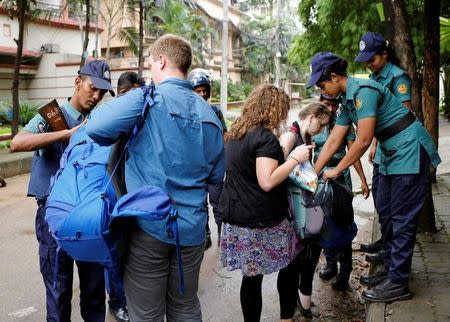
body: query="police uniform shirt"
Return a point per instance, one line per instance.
(398, 82)
(401, 153)
(319, 141)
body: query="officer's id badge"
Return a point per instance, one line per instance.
(358, 103)
(402, 88)
(42, 127)
(362, 45)
(339, 111)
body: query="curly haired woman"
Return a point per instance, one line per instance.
(258, 237)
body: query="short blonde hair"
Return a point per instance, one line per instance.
(176, 49)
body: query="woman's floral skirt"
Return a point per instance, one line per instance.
(257, 250)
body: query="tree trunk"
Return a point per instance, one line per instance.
(108, 41)
(16, 78)
(399, 35)
(141, 37)
(84, 55)
(430, 91)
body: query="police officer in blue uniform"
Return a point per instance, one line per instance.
(202, 86)
(343, 255)
(92, 82)
(407, 150)
(382, 61)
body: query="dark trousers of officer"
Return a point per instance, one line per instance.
(399, 201)
(92, 283)
(214, 191)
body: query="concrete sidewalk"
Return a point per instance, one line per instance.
(430, 278)
(430, 283)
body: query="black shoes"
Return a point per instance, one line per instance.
(372, 280)
(372, 248)
(219, 234)
(120, 314)
(328, 272)
(377, 258)
(208, 242)
(340, 283)
(387, 291)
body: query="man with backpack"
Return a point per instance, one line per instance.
(179, 149)
(91, 84)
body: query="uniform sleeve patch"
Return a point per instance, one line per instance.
(402, 88)
(358, 103)
(42, 127)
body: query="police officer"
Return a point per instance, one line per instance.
(343, 255)
(407, 150)
(382, 61)
(92, 82)
(202, 86)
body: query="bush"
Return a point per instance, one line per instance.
(236, 91)
(27, 111)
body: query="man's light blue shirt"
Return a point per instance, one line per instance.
(179, 149)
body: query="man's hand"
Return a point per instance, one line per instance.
(331, 174)
(301, 153)
(371, 155)
(365, 190)
(74, 129)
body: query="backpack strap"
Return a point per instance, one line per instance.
(149, 92)
(172, 231)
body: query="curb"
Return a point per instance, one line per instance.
(17, 163)
(375, 311)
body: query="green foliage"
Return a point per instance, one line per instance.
(27, 111)
(445, 36)
(177, 18)
(338, 25)
(445, 63)
(130, 35)
(5, 144)
(258, 37)
(236, 91)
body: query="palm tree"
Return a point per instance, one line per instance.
(177, 17)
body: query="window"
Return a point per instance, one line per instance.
(6, 30)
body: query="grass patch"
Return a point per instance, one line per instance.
(5, 144)
(5, 129)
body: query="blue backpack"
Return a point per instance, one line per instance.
(83, 205)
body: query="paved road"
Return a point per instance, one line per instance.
(22, 295)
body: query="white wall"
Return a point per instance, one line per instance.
(69, 40)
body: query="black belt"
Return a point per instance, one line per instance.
(397, 127)
(332, 163)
